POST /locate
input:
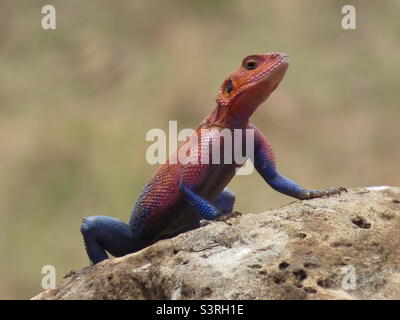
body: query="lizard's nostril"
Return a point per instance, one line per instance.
(229, 86)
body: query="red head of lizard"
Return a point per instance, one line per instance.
(246, 88)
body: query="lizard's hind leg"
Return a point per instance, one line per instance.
(101, 234)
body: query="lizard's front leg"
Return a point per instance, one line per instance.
(199, 204)
(264, 163)
(193, 173)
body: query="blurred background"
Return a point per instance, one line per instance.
(76, 104)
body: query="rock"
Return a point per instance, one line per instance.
(342, 247)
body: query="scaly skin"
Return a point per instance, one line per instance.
(179, 195)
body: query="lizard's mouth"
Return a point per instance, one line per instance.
(279, 67)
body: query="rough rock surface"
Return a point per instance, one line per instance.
(305, 250)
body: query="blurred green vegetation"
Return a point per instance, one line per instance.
(76, 103)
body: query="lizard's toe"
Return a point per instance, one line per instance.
(228, 216)
(333, 191)
(312, 194)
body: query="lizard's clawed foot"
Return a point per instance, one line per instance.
(311, 194)
(228, 216)
(223, 218)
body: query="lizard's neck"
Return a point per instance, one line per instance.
(225, 117)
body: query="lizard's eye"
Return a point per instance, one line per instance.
(250, 63)
(229, 86)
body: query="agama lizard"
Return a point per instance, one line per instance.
(179, 195)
